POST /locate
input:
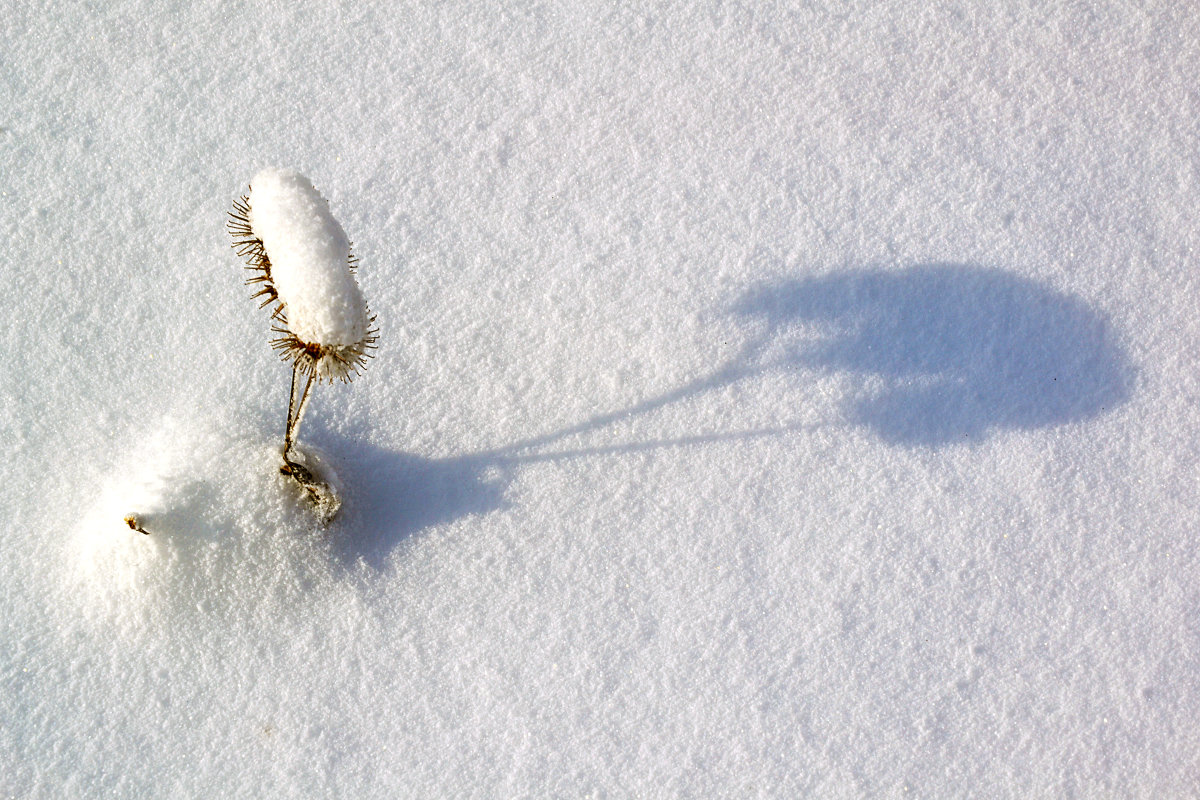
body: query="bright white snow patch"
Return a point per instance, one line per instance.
(222, 523)
(309, 255)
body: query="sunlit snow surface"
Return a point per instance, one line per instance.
(771, 401)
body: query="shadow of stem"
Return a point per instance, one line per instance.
(943, 352)
(400, 494)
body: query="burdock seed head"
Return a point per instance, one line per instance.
(300, 258)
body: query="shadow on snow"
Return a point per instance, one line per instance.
(937, 354)
(952, 352)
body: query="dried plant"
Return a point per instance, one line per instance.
(300, 260)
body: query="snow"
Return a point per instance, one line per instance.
(773, 401)
(309, 256)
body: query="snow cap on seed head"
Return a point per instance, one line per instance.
(286, 231)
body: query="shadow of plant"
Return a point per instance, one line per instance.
(959, 351)
(945, 351)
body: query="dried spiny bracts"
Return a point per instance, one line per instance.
(300, 257)
(250, 247)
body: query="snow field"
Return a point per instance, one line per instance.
(774, 401)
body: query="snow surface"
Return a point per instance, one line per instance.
(309, 256)
(774, 400)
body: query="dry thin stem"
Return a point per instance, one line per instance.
(295, 410)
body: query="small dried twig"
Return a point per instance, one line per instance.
(135, 523)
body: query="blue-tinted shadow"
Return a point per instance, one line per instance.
(395, 495)
(947, 352)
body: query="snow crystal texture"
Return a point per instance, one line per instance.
(778, 400)
(309, 256)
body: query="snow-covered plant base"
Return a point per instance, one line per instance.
(317, 479)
